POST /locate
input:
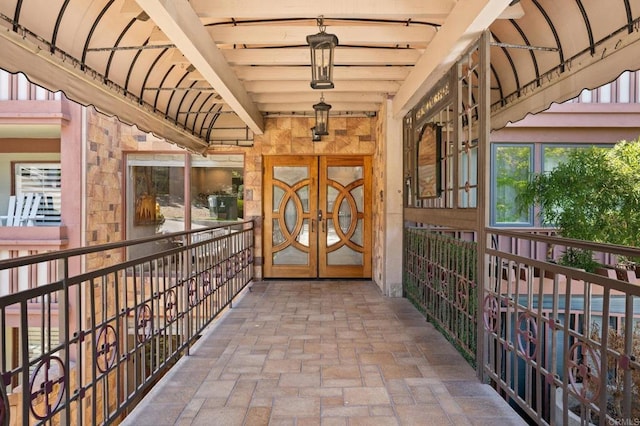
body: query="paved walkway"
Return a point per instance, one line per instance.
(322, 353)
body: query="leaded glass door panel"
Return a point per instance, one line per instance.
(317, 217)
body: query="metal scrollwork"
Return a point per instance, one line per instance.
(170, 305)
(47, 387)
(193, 293)
(584, 366)
(106, 348)
(527, 335)
(491, 312)
(143, 323)
(207, 287)
(462, 292)
(229, 269)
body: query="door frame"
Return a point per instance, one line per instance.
(317, 183)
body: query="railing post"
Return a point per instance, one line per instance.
(484, 123)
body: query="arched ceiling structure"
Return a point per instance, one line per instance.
(204, 72)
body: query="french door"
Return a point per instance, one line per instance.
(317, 217)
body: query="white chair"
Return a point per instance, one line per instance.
(23, 209)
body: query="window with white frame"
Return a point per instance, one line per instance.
(44, 179)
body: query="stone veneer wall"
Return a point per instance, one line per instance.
(292, 136)
(107, 138)
(377, 267)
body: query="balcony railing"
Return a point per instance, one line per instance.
(440, 279)
(560, 344)
(84, 348)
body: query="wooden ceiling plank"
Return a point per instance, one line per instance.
(285, 86)
(381, 9)
(312, 97)
(301, 56)
(308, 107)
(349, 35)
(248, 73)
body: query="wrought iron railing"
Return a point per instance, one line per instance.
(84, 348)
(440, 279)
(561, 344)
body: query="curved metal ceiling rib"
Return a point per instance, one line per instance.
(199, 72)
(589, 38)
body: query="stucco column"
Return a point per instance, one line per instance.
(392, 204)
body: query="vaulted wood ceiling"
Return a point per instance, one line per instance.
(204, 72)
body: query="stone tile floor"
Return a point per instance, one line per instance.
(322, 353)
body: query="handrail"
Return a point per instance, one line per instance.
(43, 257)
(85, 347)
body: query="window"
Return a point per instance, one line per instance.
(216, 189)
(512, 166)
(45, 179)
(156, 198)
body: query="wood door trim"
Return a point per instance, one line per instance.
(317, 170)
(290, 271)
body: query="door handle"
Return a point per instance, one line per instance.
(320, 221)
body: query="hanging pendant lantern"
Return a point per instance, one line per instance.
(322, 117)
(322, 46)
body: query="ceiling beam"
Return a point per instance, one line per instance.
(463, 26)
(312, 97)
(180, 23)
(248, 73)
(302, 56)
(303, 86)
(308, 106)
(381, 9)
(351, 35)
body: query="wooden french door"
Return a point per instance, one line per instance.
(317, 217)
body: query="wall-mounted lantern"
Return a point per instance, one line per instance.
(322, 46)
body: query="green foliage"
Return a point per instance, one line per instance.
(578, 258)
(512, 172)
(593, 196)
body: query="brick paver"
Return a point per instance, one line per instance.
(322, 353)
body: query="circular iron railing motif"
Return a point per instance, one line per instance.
(143, 323)
(106, 348)
(430, 273)
(229, 269)
(170, 305)
(444, 284)
(5, 414)
(217, 276)
(491, 311)
(584, 366)
(462, 298)
(249, 255)
(46, 387)
(192, 291)
(207, 287)
(238, 262)
(527, 335)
